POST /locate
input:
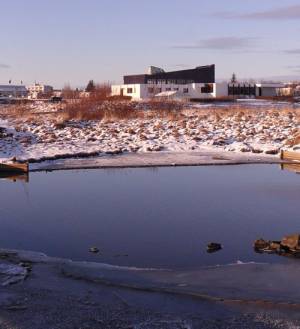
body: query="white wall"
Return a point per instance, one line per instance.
(136, 88)
(141, 91)
(221, 89)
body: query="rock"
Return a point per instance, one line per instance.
(114, 152)
(291, 242)
(197, 139)
(272, 151)
(11, 274)
(94, 250)
(26, 265)
(213, 247)
(157, 148)
(92, 139)
(261, 244)
(60, 125)
(288, 246)
(245, 149)
(219, 142)
(257, 151)
(275, 246)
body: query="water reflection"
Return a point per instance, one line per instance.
(294, 167)
(14, 177)
(151, 218)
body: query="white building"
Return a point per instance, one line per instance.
(38, 90)
(297, 91)
(182, 91)
(269, 89)
(198, 83)
(192, 84)
(241, 89)
(16, 91)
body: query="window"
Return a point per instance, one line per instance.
(207, 88)
(129, 90)
(168, 89)
(150, 90)
(176, 89)
(185, 90)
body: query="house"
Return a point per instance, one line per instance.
(38, 91)
(269, 89)
(291, 89)
(197, 83)
(297, 91)
(14, 91)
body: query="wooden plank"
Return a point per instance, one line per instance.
(290, 155)
(14, 167)
(295, 167)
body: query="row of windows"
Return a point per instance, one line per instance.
(206, 89)
(128, 91)
(151, 90)
(241, 90)
(169, 81)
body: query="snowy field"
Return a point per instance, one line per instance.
(247, 126)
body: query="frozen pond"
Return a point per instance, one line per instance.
(152, 217)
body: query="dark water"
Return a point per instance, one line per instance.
(152, 217)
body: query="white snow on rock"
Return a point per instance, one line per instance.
(10, 274)
(44, 136)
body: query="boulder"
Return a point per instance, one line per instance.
(213, 247)
(94, 250)
(261, 244)
(291, 242)
(272, 151)
(275, 246)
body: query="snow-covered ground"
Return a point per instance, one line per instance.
(44, 136)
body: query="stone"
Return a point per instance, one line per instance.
(257, 151)
(272, 151)
(94, 250)
(261, 244)
(275, 246)
(245, 149)
(291, 241)
(213, 247)
(219, 142)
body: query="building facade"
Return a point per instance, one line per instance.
(197, 83)
(13, 91)
(38, 90)
(255, 89)
(193, 84)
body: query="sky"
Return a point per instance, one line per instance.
(61, 42)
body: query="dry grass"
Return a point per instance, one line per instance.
(97, 106)
(16, 111)
(294, 139)
(100, 106)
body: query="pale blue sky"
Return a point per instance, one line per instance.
(72, 41)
